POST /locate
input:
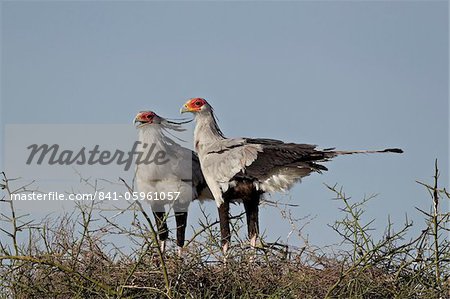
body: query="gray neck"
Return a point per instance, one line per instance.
(206, 130)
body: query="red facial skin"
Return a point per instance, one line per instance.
(195, 104)
(145, 117)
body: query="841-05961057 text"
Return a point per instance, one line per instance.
(169, 196)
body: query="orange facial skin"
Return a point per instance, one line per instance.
(144, 117)
(194, 105)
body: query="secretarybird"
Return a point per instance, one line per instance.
(246, 168)
(175, 181)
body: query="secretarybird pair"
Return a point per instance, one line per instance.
(235, 169)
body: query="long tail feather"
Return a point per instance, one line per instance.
(388, 150)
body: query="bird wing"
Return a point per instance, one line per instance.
(272, 165)
(276, 155)
(223, 159)
(280, 165)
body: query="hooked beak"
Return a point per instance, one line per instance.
(185, 108)
(137, 123)
(136, 119)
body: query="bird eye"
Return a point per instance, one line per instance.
(149, 116)
(198, 103)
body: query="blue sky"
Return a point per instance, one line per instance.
(351, 75)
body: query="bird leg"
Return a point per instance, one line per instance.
(163, 231)
(224, 217)
(251, 211)
(181, 221)
(162, 245)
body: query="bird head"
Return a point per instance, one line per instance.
(149, 119)
(145, 118)
(195, 105)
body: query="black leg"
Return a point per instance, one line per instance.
(251, 206)
(181, 220)
(224, 217)
(161, 224)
